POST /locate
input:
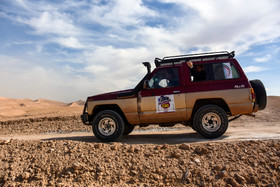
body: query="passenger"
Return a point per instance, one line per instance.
(197, 72)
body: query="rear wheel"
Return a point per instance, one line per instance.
(108, 126)
(211, 121)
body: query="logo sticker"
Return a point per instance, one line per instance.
(227, 70)
(165, 103)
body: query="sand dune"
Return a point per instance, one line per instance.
(26, 107)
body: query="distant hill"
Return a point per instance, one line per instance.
(10, 107)
(77, 103)
(26, 107)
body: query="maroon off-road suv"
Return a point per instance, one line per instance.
(198, 90)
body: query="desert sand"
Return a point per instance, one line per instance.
(44, 143)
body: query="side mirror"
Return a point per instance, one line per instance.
(146, 85)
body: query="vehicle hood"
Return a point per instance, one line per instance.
(110, 95)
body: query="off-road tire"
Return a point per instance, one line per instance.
(128, 129)
(108, 126)
(259, 89)
(210, 121)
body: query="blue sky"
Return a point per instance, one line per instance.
(68, 50)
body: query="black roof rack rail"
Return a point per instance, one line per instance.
(201, 56)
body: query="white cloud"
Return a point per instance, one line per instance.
(212, 25)
(109, 39)
(119, 13)
(232, 25)
(263, 59)
(70, 42)
(52, 23)
(254, 69)
(21, 78)
(115, 69)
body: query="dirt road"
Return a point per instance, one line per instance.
(161, 136)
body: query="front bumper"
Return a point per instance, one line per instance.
(84, 116)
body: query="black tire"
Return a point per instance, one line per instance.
(128, 129)
(193, 127)
(108, 126)
(210, 121)
(259, 89)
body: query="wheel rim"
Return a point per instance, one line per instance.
(107, 126)
(211, 122)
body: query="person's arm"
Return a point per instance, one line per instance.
(190, 64)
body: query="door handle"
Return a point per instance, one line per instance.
(176, 91)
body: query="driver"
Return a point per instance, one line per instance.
(167, 78)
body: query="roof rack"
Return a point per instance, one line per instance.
(194, 57)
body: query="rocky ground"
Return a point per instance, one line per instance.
(81, 161)
(70, 163)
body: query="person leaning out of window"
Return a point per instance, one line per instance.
(197, 71)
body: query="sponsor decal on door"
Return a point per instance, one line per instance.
(165, 103)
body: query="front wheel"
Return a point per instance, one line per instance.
(211, 121)
(108, 126)
(128, 129)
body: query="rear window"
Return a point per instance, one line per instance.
(214, 71)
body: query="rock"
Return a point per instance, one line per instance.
(99, 169)
(225, 168)
(7, 141)
(60, 184)
(51, 150)
(148, 154)
(185, 175)
(131, 149)
(239, 178)
(175, 154)
(77, 166)
(197, 161)
(137, 150)
(201, 150)
(185, 146)
(217, 168)
(51, 183)
(25, 175)
(113, 147)
(254, 179)
(132, 181)
(223, 174)
(233, 182)
(164, 146)
(97, 145)
(134, 172)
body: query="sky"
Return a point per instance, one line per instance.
(66, 50)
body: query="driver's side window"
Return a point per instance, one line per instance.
(165, 78)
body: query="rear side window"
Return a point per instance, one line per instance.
(214, 71)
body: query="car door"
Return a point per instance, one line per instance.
(164, 100)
